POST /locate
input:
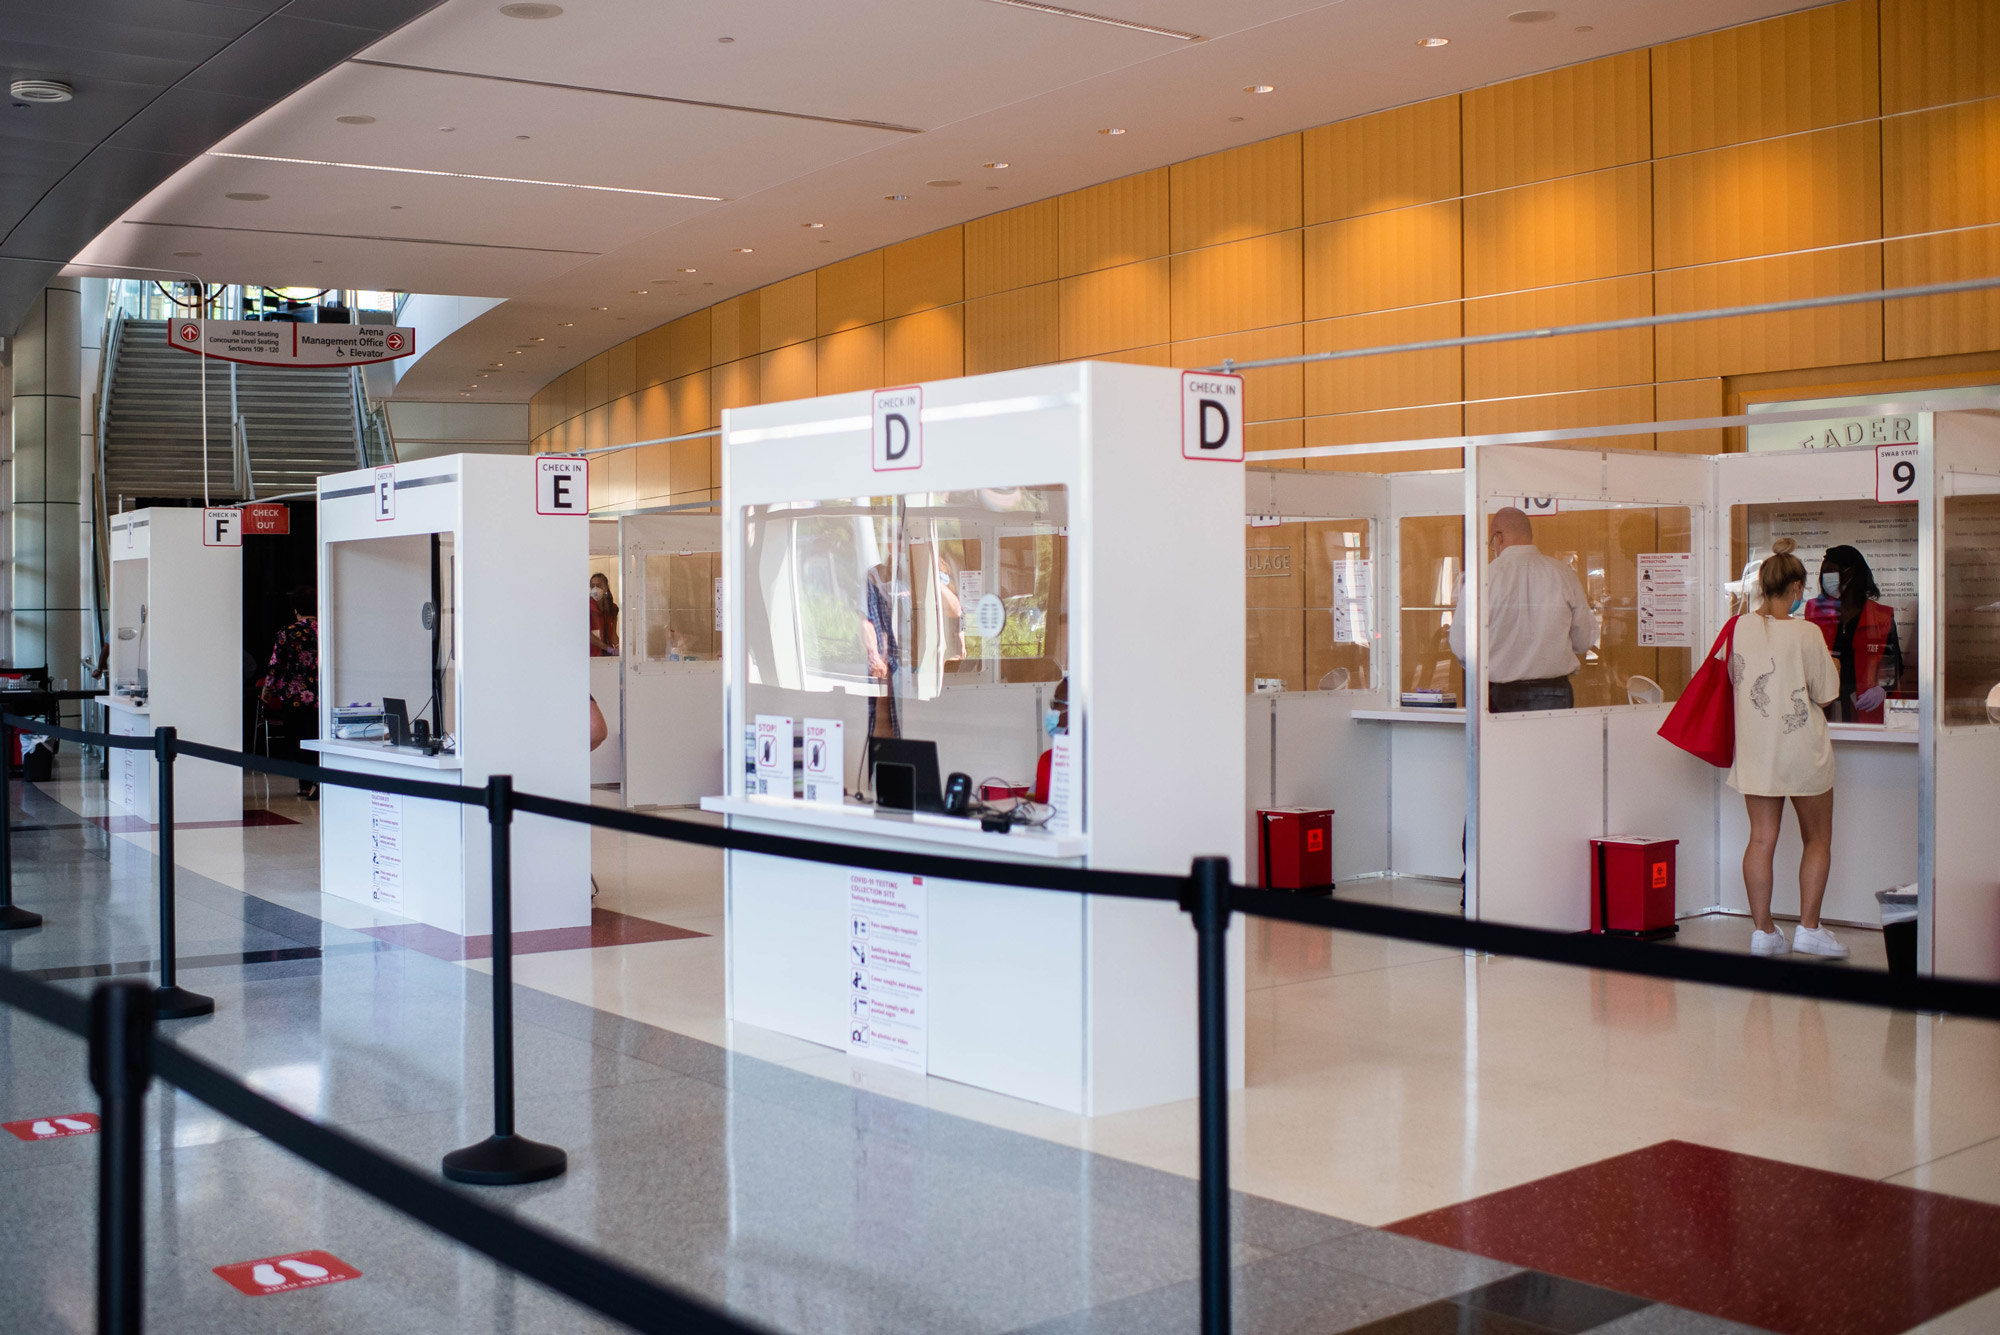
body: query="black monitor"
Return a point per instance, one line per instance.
(396, 713)
(904, 774)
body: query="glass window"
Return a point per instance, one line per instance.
(607, 613)
(1971, 600)
(1431, 551)
(683, 600)
(1309, 601)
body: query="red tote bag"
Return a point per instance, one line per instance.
(1703, 721)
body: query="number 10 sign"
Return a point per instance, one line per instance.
(1896, 473)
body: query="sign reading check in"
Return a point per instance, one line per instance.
(280, 343)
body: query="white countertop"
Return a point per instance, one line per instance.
(383, 753)
(1415, 714)
(127, 703)
(922, 827)
(1872, 733)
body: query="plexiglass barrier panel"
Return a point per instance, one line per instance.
(1861, 591)
(607, 614)
(1431, 552)
(1309, 598)
(683, 592)
(934, 616)
(1971, 570)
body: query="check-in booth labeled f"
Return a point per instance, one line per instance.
(222, 528)
(562, 485)
(1212, 416)
(897, 434)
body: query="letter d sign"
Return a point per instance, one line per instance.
(1212, 416)
(897, 433)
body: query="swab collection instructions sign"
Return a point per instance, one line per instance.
(886, 1015)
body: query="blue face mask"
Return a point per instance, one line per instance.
(1051, 721)
(1797, 605)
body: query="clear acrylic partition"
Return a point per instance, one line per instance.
(381, 645)
(941, 616)
(682, 601)
(607, 565)
(1309, 598)
(1430, 558)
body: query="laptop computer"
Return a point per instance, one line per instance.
(904, 774)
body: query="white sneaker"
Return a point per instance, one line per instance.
(1817, 941)
(1768, 943)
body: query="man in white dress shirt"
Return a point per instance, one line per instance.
(1537, 621)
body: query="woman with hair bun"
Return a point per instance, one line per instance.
(1784, 677)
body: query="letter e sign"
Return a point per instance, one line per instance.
(896, 436)
(1212, 416)
(562, 485)
(222, 528)
(385, 494)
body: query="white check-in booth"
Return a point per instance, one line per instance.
(607, 762)
(443, 587)
(671, 658)
(176, 660)
(1040, 547)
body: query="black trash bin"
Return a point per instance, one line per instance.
(1899, 927)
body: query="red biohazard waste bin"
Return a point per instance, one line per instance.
(1632, 886)
(1295, 848)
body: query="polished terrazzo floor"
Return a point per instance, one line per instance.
(817, 1193)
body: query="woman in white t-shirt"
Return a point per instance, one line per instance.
(1784, 677)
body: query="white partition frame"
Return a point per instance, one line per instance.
(672, 710)
(607, 672)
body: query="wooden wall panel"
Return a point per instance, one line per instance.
(1109, 310)
(849, 294)
(1817, 189)
(1120, 222)
(651, 364)
(1362, 384)
(924, 272)
(1576, 119)
(1392, 159)
(652, 474)
(1243, 285)
(785, 312)
(690, 404)
(850, 360)
(733, 331)
(786, 373)
(736, 385)
(1802, 71)
(1397, 424)
(1576, 361)
(1831, 337)
(1011, 329)
(1939, 51)
(929, 345)
(1262, 437)
(1004, 251)
(620, 369)
(653, 415)
(1679, 400)
(1273, 393)
(1575, 228)
(1934, 326)
(1238, 193)
(1380, 261)
(597, 381)
(688, 343)
(1941, 168)
(689, 469)
(622, 420)
(1552, 412)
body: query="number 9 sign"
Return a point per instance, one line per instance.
(1896, 474)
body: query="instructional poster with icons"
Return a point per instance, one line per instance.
(385, 851)
(1353, 600)
(887, 1020)
(1666, 599)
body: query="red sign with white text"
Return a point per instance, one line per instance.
(54, 1128)
(269, 520)
(282, 1274)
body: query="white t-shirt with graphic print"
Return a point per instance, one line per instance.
(1782, 674)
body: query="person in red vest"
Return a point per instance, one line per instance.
(1861, 633)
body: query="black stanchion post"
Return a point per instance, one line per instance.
(503, 1158)
(1208, 901)
(121, 1031)
(170, 1000)
(11, 918)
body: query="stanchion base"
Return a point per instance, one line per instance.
(13, 919)
(177, 1003)
(505, 1161)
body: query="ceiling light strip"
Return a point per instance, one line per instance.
(1105, 19)
(463, 176)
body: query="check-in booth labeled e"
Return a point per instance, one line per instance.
(562, 486)
(1212, 416)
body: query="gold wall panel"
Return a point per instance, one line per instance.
(653, 416)
(1388, 160)
(1243, 285)
(650, 362)
(1275, 392)
(1238, 193)
(850, 293)
(850, 360)
(1574, 361)
(597, 381)
(1261, 437)
(924, 272)
(733, 330)
(1011, 329)
(1801, 71)
(1015, 249)
(1396, 380)
(1934, 326)
(1395, 424)
(1833, 336)
(1941, 168)
(1569, 230)
(1816, 189)
(929, 345)
(736, 385)
(1939, 51)
(690, 468)
(619, 480)
(1409, 257)
(1576, 119)
(1679, 400)
(790, 372)
(690, 404)
(620, 370)
(785, 312)
(688, 344)
(652, 473)
(1120, 222)
(1159, 355)
(623, 419)
(1553, 412)
(1109, 310)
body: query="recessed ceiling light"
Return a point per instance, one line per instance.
(1109, 130)
(1585, 27)
(893, 198)
(395, 206)
(1105, 19)
(687, 271)
(565, 324)
(355, 120)
(447, 129)
(1434, 41)
(639, 291)
(40, 90)
(499, 363)
(1235, 118)
(539, 338)
(319, 261)
(725, 40)
(943, 184)
(990, 187)
(1260, 88)
(462, 176)
(248, 196)
(744, 250)
(465, 393)
(1531, 16)
(812, 224)
(513, 352)
(187, 254)
(600, 308)
(531, 11)
(998, 166)
(524, 136)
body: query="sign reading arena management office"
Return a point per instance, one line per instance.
(280, 343)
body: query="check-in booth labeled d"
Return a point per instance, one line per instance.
(897, 432)
(1212, 416)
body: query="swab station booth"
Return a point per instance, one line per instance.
(1665, 546)
(984, 577)
(176, 657)
(450, 611)
(670, 658)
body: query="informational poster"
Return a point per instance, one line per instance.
(887, 1020)
(718, 604)
(773, 761)
(385, 841)
(825, 767)
(1886, 537)
(1666, 599)
(1062, 786)
(1353, 600)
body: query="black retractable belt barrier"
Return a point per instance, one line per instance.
(121, 1034)
(1208, 902)
(171, 1001)
(503, 1159)
(12, 919)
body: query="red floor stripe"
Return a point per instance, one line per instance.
(607, 928)
(133, 825)
(1795, 1250)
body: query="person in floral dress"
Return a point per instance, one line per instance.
(291, 684)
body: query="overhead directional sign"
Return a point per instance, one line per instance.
(281, 343)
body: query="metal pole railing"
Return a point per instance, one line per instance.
(1208, 903)
(503, 1158)
(121, 1031)
(170, 1000)
(12, 918)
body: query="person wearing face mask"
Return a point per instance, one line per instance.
(1055, 722)
(1860, 631)
(1784, 676)
(603, 619)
